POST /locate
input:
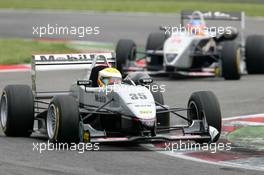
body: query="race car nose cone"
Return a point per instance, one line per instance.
(148, 123)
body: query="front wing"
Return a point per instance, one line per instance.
(145, 139)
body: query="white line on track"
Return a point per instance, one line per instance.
(244, 116)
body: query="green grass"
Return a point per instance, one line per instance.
(252, 8)
(92, 46)
(248, 136)
(17, 51)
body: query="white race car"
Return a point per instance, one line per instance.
(125, 112)
(196, 50)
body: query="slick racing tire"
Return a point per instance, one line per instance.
(17, 111)
(155, 41)
(125, 51)
(230, 61)
(63, 119)
(203, 105)
(163, 119)
(255, 54)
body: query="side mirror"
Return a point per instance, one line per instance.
(163, 28)
(145, 81)
(85, 83)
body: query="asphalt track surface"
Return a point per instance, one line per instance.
(113, 26)
(236, 98)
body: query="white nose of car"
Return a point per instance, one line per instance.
(138, 100)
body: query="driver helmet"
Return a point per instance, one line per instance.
(196, 23)
(197, 27)
(109, 76)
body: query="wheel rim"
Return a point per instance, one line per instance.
(4, 110)
(194, 114)
(238, 57)
(52, 121)
(132, 54)
(205, 123)
(193, 111)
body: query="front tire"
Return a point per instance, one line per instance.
(17, 111)
(204, 106)
(63, 119)
(231, 61)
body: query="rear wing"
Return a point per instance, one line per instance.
(47, 62)
(217, 15)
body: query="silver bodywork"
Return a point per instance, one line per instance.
(122, 102)
(183, 48)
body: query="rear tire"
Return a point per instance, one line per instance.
(204, 106)
(17, 111)
(64, 111)
(255, 54)
(155, 41)
(231, 61)
(125, 51)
